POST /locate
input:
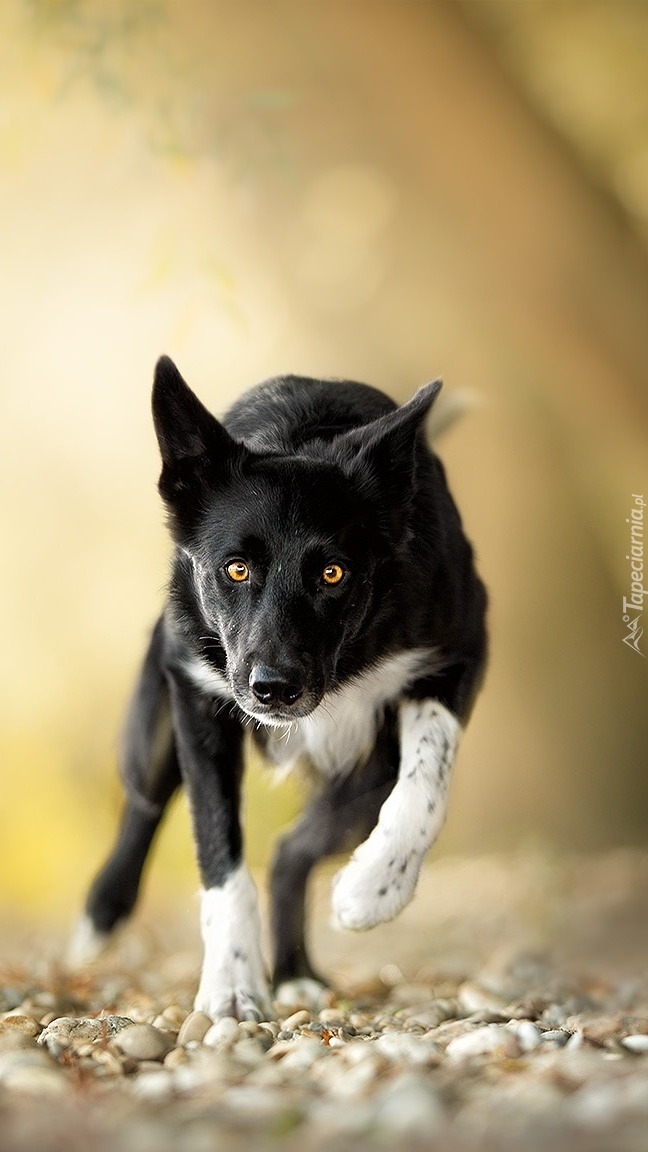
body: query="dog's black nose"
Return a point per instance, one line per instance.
(274, 685)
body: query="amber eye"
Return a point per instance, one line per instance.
(333, 574)
(238, 571)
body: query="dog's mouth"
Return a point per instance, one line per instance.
(276, 707)
(277, 715)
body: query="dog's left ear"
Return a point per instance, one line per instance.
(384, 449)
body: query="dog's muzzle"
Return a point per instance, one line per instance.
(272, 686)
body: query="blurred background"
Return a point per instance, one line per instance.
(388, 190)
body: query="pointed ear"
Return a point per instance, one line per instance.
(196, 449)
(385, 448)
(381, 458)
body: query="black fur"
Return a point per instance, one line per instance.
(302, 476)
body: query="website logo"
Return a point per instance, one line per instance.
(633, 605)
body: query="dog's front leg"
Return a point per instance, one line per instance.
(233, 981)
(381, 876)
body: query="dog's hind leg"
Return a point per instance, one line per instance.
(150, 776)
(338, 818)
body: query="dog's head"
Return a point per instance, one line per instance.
(292, 554)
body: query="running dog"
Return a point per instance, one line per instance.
(324, 597)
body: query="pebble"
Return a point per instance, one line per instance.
(473, 998)
(66, 1030)
(409, 1106)
(637, 1044)
(222, 1033)
(430, 1015)
(557, 1036)
(194, 1027)
(14, 1021)
(402, 1047)
(248, 1050)
(296, 1020)
(528, 1036)
(413, 1062)
(31, 1070)
(484, 1041)
(144, 1042)
(302, 1053)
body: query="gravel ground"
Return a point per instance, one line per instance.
(506, 1009)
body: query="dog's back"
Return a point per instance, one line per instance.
(284, 413)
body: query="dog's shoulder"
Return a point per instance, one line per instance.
(286, 412)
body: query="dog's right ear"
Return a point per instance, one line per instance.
(196, 449)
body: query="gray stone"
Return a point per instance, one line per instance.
(194, 1027)
(410, 1105)
(144, 1042)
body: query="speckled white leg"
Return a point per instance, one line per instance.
(381, 876)
(233, 981)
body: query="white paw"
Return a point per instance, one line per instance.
(302, 992)
(85, 944)
(367, 891)
(244, 1000)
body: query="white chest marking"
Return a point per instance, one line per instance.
(381, 876)
(208, 679)
(233, 981)
(341, 731)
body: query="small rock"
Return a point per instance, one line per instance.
(575, 1041)
(255, 1100)
(296, 1020)
(14, 1040)
(473, 998)
(403, 1046)
(448, 1031)
(430, 1015)
(409, 1105)
(637, 1043)
(222, 1033)
(555, 1036)
(144, 1042)
(406, 995)
(176, 1057)
(171, 1018)
(154, 1085)
(302, 993)
(359, 1051)
(331, 1016)
(484, 1041)
(326, 1115)
(194, 1027)
(271, 1027)
(38, 1081)
(31, 1070)
(67, 1030)
(25, 1024)
(350, 1083)
(527, 1035)
(303, 1052)
(248, 1051)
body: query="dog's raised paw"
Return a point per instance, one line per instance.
(367, 892)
